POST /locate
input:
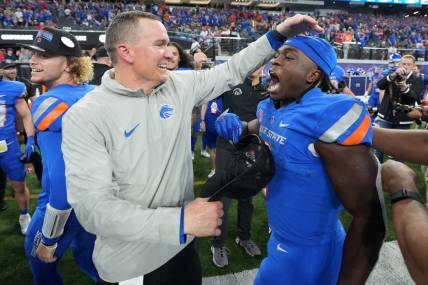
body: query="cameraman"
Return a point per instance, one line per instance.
(403, 89)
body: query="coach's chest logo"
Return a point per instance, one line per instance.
(166, 111)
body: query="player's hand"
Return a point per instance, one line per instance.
(229, 127)
(397, 175)
(298, 24)
(30, 149)
(46, 252)
(414, 114)
(203, 218)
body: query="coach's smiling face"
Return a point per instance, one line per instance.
(291, 75)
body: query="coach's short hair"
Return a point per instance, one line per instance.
(122, 28)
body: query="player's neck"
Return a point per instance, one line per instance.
(61, 81)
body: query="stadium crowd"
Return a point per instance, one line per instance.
(364, 29)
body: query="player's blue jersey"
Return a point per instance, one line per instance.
(10, 92)
(302, 204)
(47, 112)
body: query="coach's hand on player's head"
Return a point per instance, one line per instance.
(229, 127)
(297, 25)
(203, 218)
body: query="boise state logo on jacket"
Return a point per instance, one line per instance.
(10, 92)
(302, 204)
(166, 111)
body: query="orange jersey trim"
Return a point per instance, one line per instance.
(359, 133)
(52, 116)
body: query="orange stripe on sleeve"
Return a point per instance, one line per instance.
(359, 133)
(52, 116)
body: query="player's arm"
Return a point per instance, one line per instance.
(345, 137)
(47, 116)
(407, 145)
(203, 113)
(251, 127)
(410, 219)
(58, 210)
(353, 170)
(22, 109)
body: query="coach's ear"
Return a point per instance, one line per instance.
(125, 52)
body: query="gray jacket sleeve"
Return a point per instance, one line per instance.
(91, 189)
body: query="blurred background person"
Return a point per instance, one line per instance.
(242, 100)
(101, 65)
(402, 89)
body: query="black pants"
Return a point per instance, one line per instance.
(182, 269)
(245, 206)
(38, 167)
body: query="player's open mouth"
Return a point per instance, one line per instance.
(273, 83)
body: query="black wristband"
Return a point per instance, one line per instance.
(405, 194)
(277, 35)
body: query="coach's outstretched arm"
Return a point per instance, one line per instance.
(410, 219)
(407, 145)
(353, 170)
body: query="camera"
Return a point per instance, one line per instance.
(400, 78)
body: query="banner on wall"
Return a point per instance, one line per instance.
(87, 39)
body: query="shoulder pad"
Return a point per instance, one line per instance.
(47, 113)
(346, 123)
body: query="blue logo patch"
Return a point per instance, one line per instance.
(129, 133)
(46, 35)
(166, 111)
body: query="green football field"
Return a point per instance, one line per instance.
(14, 269)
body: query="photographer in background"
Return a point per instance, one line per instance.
(403, 89)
